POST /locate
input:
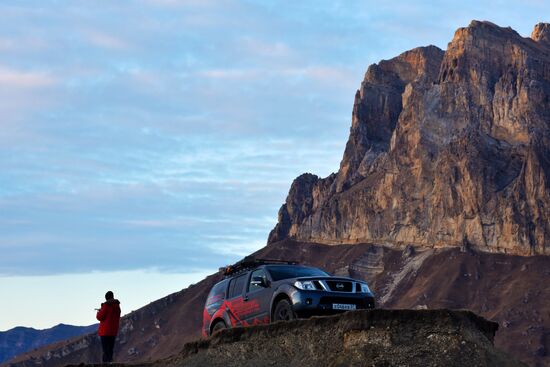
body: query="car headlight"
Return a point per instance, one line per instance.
(305, 285)
(364, 288)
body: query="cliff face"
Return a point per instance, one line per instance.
(445, 149)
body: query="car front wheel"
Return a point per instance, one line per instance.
(283, 311)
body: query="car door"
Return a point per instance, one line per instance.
(235, 304)
(258, 298)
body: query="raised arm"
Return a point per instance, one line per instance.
(102, 313)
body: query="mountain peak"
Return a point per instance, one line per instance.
(484, 24)
(480, 30)
(489, 27)
(541, 33)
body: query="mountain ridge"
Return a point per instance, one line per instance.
(22, 339)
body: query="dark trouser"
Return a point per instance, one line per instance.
(108, 345)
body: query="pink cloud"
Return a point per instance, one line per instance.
(24, 79)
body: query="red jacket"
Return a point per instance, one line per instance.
(109, 318)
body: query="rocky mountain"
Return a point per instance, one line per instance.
(364, 338)
(442, 192)
(446, 148)
(22, 339)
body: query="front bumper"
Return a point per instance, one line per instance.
(308, 303)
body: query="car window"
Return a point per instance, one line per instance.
(256, 273)
(287, 272)
(236, 286)
(216, 297)
(217, 293)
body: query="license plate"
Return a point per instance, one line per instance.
(341, 306)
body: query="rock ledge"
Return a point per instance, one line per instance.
(366, 338)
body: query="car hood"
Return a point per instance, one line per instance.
(343, 279)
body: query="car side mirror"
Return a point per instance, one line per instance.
(260, 282)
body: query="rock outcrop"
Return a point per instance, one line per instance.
(446, 148)
(361, 338)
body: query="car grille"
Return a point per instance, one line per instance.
(339, 286)
(318, 285)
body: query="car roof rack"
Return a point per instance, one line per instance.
(250, 262)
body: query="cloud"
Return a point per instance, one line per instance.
(6, 44)
(23, 44)
(176, 3)
(239, 247)
(151, 209)
(322, 74)
(254, 45)
(237, 74)
(167, 128)
(325, 74)
(105, 40)
(12, 78)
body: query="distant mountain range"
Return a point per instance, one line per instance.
(19, 340)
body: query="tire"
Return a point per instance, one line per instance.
(220, 325)
(283, 311)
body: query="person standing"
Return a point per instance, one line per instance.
(109, 318)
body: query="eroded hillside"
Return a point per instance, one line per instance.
(511, 290)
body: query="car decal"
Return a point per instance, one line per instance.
(243, 308)
(236, 309)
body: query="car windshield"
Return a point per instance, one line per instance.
(286, 272)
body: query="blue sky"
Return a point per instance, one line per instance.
(160, 137)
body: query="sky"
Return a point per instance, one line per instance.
(144, 144)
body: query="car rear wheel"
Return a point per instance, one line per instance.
(283, 311)
(220, 325)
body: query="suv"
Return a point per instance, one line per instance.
(262, 291)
